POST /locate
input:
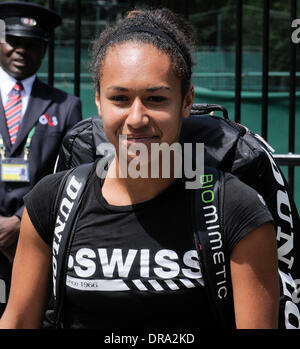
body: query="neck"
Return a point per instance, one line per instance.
(121, 191)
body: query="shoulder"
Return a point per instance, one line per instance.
(51, 179)
(40, 204)
(46, 187)
(244, 209)
(240, 196)
(232, 182)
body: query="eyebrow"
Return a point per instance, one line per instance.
(150, 89)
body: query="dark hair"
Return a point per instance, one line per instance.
(177, 41)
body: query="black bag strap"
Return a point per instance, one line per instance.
(68, 202)
(211, 245)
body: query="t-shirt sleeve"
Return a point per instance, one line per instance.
(40, 202)
(244, 210)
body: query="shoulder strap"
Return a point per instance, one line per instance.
(211, 245)
(67, 206)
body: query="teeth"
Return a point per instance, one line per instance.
(139, 137)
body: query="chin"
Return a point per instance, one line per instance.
(19, 74)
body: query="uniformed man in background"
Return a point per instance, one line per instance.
(34, 117)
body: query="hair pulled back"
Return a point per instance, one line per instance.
(179, 48)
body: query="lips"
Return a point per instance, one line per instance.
(19, 62)
(141, 138)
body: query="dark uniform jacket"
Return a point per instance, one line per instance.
(53, 112)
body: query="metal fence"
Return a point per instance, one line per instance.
(291, 159)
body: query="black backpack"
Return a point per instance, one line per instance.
(229, 147)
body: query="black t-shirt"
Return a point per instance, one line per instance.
(136, 266)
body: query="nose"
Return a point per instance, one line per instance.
(20, 49)
(137, 114)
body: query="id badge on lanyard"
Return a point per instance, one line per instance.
(16, 169)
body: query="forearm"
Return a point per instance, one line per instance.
(9, 234)
(30, 284)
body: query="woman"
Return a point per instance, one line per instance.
(134, 235)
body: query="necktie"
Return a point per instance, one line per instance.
(13, 109)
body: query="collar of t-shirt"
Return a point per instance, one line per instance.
(7, 83)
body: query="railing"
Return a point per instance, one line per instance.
(77, 42)
(291, 159)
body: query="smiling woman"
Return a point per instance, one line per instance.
(133, 263)
(140, 98)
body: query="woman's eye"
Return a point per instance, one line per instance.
(157, 99)
(119, 98)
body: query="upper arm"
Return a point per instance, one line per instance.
(30, 280)
(255, 282)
